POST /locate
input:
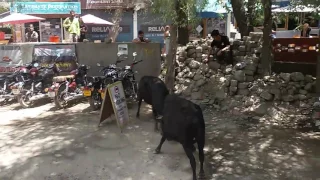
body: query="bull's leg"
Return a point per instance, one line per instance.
(188, 151)
(201, 158)
(139, 104)
(158, 149)
(156, 128)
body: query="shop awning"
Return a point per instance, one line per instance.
(91, 19)
(17, 18)
(299, 8)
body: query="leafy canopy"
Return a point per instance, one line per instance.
(172, 10)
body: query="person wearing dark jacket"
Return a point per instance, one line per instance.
(222, 43)
(305, 32)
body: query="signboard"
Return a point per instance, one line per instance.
(119, 105)
(98, 32)
(105, 4)
(123, 49)
(64, 55)
(153, 30)
(10, 56)
(46, 7)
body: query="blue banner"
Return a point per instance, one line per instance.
(46, 7)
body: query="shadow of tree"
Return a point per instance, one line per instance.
(255, 152)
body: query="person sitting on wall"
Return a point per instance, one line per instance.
(305, 32)
(222, 44)
(72, 25)
(141, 38)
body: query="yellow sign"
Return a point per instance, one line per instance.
(102, 95)
(148, 51)
(86, 93)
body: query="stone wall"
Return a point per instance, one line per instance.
(241, 85)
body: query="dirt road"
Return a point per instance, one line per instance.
(40, 143)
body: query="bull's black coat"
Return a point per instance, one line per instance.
(153, 91)
(183, 122)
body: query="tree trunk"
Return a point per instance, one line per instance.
(182, 19)
(183, 35)
(251, 14)
(116, 19)
(240, 15)
(266, 46)
(171, 59)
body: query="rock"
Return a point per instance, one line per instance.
(285, 76)
(308, 87)
(220, 95)
(288, 98)
(240, 76)
(243, 85)
(266, 95)
(214, 65)
(199, 49)
(200, 82)
(301, 91)
(296, 76)
(233, 83)
(261, 109)
(197, 77)
(194, 64)
(197, 95)
(191, 52)
(244, 92)
(309, 78)
(302, 97)
(204, 68)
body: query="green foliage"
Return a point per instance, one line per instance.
(172, 10)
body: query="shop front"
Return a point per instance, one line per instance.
(105, 9)
(54, 13)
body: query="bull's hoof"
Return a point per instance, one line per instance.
(193, 148)
(157, 151)
(138, 115)
(202, 176)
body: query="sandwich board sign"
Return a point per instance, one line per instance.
(115, 103)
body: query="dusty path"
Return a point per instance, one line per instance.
(38, 143)
(244, 149)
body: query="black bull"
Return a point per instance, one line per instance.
(153, 91)
(183, 122)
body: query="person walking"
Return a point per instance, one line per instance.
(72, 25)
(83, 30)
(166, 37)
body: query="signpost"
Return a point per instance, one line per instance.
(115, 103)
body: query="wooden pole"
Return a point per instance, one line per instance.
(286, 26)
(204, 22)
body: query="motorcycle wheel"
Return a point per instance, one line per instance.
(95, 101)
(59, 100)
(24, 100)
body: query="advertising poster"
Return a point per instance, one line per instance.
(10, 56)
(64, 55)
(218, 24)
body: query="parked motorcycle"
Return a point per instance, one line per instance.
(126, 75)
(94, 91)
(70, 87)
(6, 81)
(40, 81)
(22, 82)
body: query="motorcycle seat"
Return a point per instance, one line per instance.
(58, 79)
